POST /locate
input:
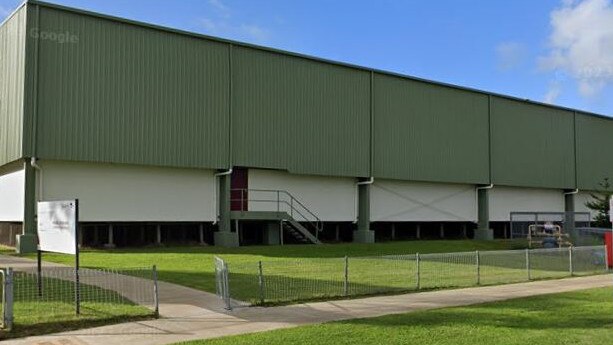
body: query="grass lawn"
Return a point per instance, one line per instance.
(583, 317)
(55, 311)
(193, 266)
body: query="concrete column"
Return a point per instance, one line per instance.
(418, 231)
(505, 228)
(272, 233)
(569, 209)
(364, 234)
(111, 242)
(201, 233)
(464, 230)
(225, 237)
(483, 231)
(393, 231)
(80, 235)
(26, 242)
(158, 234)
(337, 232)
(442, 231)
(142, 234)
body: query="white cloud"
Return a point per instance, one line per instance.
(554, 91)
(510, 55)
(581, 44)
(222, 22)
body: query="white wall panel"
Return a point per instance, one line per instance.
(329, 198)
(402, 201)
(580, 199)
(504, 200)
(109, 192)
(12, 188)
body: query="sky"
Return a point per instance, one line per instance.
(552, 51)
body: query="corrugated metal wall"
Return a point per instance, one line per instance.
(128, 94)
(531, 145)
(301, 115)
(428, 132)
(594, 144)
(12, 74)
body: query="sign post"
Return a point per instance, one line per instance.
(58, 223)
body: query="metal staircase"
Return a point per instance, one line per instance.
(263, 204)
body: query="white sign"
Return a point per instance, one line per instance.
(57, 226)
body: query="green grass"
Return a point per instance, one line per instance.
(55, 312)
(193, 266)
(561, 319)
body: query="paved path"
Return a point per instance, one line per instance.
(192, 314)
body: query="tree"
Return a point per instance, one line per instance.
(600, 204)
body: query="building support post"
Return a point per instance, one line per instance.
(111, 241)
(483, 231)
(418, 231)
(225, 237)
(393, 231)
(337, 232)
(201, 234)
(158, 234)
(364, 234)
(569, 210)
(464, 230)
(27, 240)
(442, 231)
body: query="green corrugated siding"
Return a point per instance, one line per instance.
(300, 115)
(532, 145)
(594, 144)
(429, 132)
(129, 94)
(12, 74)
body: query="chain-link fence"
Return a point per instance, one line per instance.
(61, 294)
(299, 279)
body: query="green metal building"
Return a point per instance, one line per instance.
(150, 127)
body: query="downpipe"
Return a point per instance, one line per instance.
(370, 181)
(225, 173)
(34, 164)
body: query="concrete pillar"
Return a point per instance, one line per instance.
(225, 237)
(418, 231)
(569, 209)
(111, 241)
(26, 242)
(201, 233)
(158, 234)
(393, 231)
(364, 234)
(337, 232)
(272, 233)
(505, 228)
(483, 231)
(442, 231)
(464, 230)
(80, 235)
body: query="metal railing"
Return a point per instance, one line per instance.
(279, 201)
(298, 279)
(30, 298)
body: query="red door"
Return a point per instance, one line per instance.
(239, 184)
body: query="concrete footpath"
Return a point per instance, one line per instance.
(191, 314)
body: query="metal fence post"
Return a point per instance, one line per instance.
(478, 264)
(7, 299)
(261, 282)
(528, 264)
(346, 281)
(156, 293)
(418, 271)
(570, 261)
(226, 287)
